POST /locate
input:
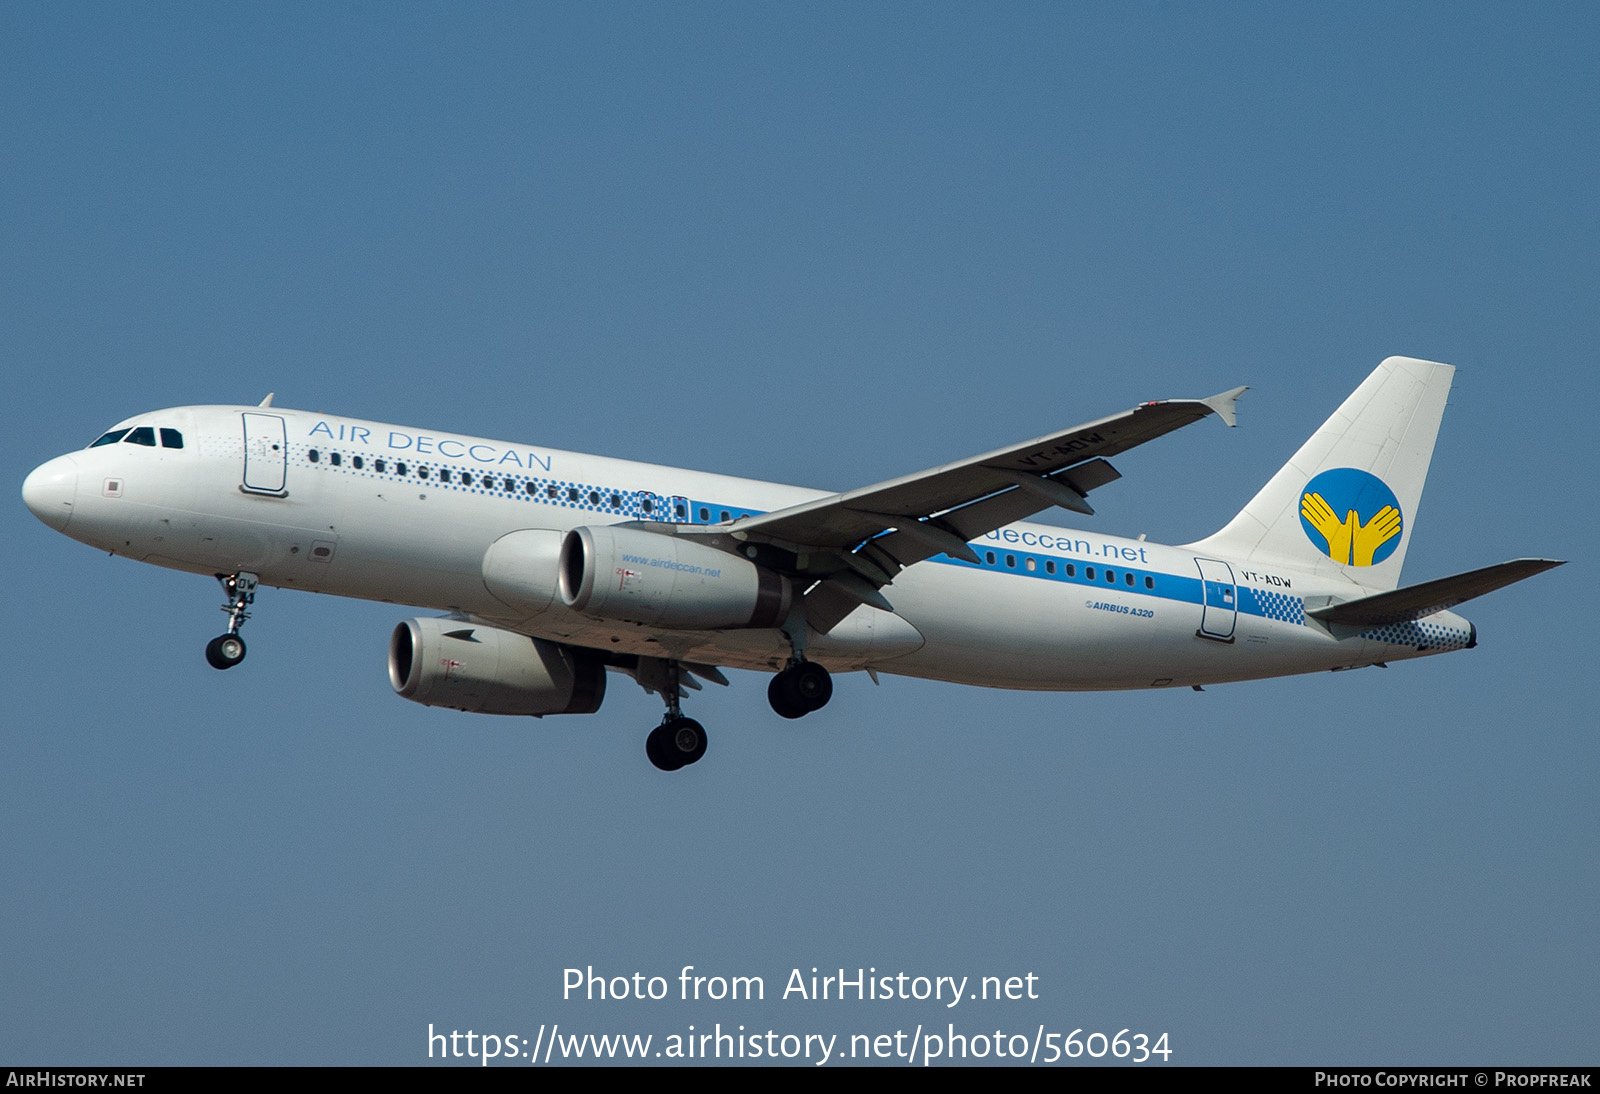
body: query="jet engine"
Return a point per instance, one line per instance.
(667, 581)
(464, 666)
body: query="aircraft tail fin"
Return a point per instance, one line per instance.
(1344, 505)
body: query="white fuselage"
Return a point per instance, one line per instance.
(381, 512)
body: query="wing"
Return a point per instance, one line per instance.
(866, 536)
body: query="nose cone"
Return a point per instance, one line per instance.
(51, 490)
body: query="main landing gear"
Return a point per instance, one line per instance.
(801, 688)
(678, 741)
(227, 650)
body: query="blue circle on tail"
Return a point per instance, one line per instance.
(1351, 516)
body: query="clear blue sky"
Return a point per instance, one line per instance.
(824, 244)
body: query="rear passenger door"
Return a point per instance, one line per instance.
(1219, 600)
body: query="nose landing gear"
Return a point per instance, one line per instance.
(227, 650)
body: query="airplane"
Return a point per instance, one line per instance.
(553, 567)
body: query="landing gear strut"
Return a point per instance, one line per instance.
(677, 741)
(227, 650)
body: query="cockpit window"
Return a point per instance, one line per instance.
(171, 438)
(110, 438)
(145, 435)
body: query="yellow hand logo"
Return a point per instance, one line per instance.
(1339, 533)
(1367, 538)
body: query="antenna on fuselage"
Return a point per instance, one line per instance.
(268, 400)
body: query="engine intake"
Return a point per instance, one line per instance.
(667, 581)
(464, 666)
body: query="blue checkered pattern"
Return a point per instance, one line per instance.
(1280, 606)
(1421, 634)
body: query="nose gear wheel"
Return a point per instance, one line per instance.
(227, 650)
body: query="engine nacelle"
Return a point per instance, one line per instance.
(667, 581)
(464, 666)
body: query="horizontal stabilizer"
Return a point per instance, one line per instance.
(1418, 601)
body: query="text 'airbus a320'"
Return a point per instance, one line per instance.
(555, 567)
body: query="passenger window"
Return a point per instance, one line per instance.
(1072, 571)
(110, 438)
(1149, 583)
(466, 478)
(1129, 578)
(647, 505)
(399, 469)
(510, 485)
(171, 438)
(1049, 567)
(533, 487)
(1032, 565)
(379, 466)
(572, 493)
(550, 491)
(357, 462)
(616, 502)
(335, 459)
(145, 435)
(705, 515)
(1088, 572)
(988, 556)
(726, 516)
(681, 512)
(444, 474)
(1011, 561)
(314, 456)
